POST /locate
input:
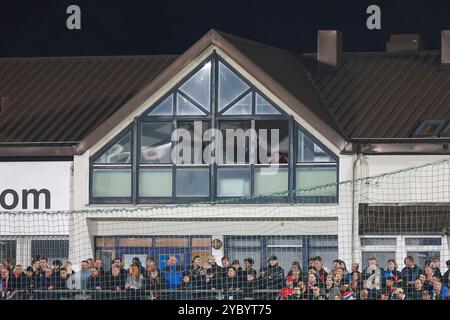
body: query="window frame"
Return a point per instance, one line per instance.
(309, 164)
(401, 249)
(212, 119)
(99, 153)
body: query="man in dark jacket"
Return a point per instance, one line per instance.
(115, 283)
(272, 278)
(232, 287)
(410, 273)
(47, 282)
(321, 274)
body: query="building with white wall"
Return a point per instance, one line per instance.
(96, 133)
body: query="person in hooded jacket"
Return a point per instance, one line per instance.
(271, 278)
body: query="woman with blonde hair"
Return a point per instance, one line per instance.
(135, 282)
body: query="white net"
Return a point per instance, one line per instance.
(386, 238)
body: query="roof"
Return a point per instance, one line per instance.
(383, 96)
(64, 105)
(61, 100)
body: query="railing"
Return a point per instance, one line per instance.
(163, 294)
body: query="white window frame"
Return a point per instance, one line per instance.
(401, 248)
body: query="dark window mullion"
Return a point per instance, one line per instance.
(253, 156)
(135, 143)
(174, 165)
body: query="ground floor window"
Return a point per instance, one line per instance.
(159, 248)
(422, 248)
(51, 249)
(286, 248)
(8, 250)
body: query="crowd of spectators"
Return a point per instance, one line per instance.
(230, 280)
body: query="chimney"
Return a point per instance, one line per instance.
(445, 48)
(404, 43)
(329, 47)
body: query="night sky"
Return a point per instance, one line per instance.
(38, 28)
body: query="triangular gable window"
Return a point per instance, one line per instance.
(230, 86)
(242, 107)
(164, 108)
(264, 107)
(185, 107)
(198, 86)
(120, 152)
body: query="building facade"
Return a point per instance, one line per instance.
(80, 134)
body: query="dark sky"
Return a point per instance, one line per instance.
(38, 28)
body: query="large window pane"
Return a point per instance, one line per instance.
(192, 130)
(266, 182)
(230, 86)
(192, 182)
(8, 250)
(242, 107)
(233, 182)
(236, 141)
(381, 256)
(310, 177)
(308, 151)
(198, 86)
(119, 152)
(156, 142)
(155, 182)
(164, 108)
(420, 257)
(186, 108)
(286, 256)
(378, 241)
(423, 241)
(111, 183)
(327, 255)
(242, 253)
(264, 107)
(273, 141)
(51, 249)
